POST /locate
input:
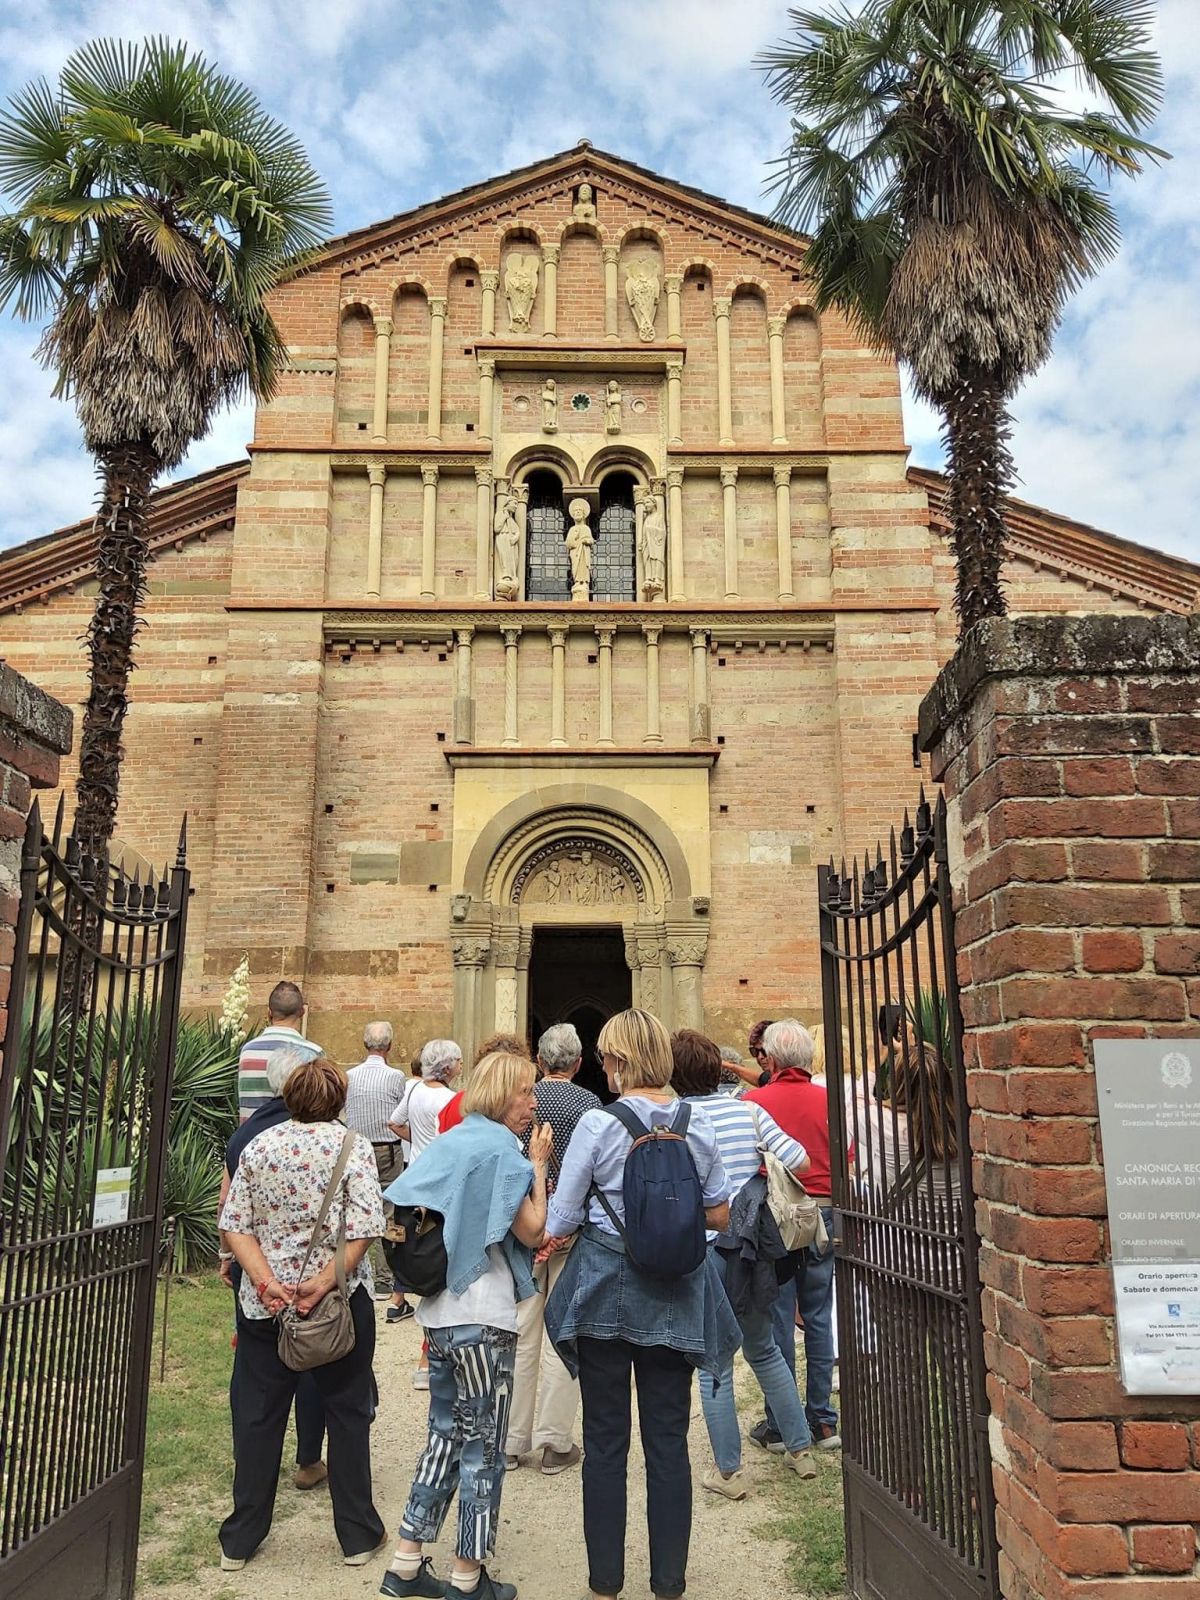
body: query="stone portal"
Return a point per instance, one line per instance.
(579, 975)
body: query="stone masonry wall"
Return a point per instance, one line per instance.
(1068, 750)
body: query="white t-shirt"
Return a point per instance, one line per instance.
(491, 1301)
(420, 1109)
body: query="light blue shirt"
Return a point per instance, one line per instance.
(596, 1155)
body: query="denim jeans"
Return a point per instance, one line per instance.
(470, 1396)
(775, 1379)
(811, 1290)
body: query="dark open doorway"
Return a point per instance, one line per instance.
(578, 975)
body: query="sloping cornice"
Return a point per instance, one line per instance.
(191, 509)
(1088, 555)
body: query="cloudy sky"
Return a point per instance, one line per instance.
(401, 102)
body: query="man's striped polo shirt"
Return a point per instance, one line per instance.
(253, 1088)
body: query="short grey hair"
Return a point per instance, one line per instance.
(728, 1053)
(790, 1044)
(559, 1047)
(282, 1063)
(377, 1036)
(439, 1059)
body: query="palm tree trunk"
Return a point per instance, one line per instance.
(980, 470)
(121, 558)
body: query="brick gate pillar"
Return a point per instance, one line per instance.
(35, 731)
(1067, 747)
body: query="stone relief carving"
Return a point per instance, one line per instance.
(520, 288)
(579, 872)
(584, 209)
(653, 545)
(612, 407)
(642, 289)
(687, 952)
(460, 904)
(550, 406)
(470, 952)
(580, 545)
(507, 529)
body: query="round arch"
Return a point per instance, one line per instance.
(554, 457)
(620, 458)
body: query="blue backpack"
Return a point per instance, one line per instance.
(664, 1229)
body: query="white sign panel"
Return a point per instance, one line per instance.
(1158, 1324)
(111, 1204)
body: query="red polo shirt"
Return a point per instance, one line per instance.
(801, 1108)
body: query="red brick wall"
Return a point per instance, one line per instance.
(1067, 747)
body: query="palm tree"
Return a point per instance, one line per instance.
(953, 201)
(153, 207)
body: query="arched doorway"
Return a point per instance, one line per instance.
(580, 976)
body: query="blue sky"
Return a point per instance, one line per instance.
(399, 103)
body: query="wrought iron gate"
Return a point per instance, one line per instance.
(84, 1097)
(920, 1510)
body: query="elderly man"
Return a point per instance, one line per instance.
(542, 1383)
(373, 1089)
(801, 1108)
(285, 1018)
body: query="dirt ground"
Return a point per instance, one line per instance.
(541, 1543)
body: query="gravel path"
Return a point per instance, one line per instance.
(541, 1542)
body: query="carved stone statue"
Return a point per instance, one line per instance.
(584, 209)
(587, 880)
(653, 547)
(642, 289)
(507, 529)
(578, 876)
(549, 406)
(580, 545)
(520, 288)
(612, 407)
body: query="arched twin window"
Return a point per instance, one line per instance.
(613, 525)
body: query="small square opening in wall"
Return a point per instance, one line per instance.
(441, 738)
(433, 888)
(362, 427)
(212, 661)
(469, 283)
(328, 811)
(434, 806)
(346, 656)
(329, 888)
(700, 286)
(199, 739)
(795, 277)
(592, 660)
(467, 350)
(810, 809)
(720, 661)
(720, 738)
(743, 982)
(470, 427)
(724, 810)
(441, 655)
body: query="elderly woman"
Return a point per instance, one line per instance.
(611, 1321)
(273, 1202)
(493, 1205)
(415, 1119)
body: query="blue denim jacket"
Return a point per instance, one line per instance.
(600, 1294)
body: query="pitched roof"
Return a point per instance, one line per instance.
(1100, 560)
(190, 509)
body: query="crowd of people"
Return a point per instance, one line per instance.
(571, 1252)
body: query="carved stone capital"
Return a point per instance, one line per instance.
(508, 948)
(437, 306)
(631, 955)
(699, 638)
(652, 632)
(673, 282)
(489, 279)
(377, 477)
(729, 477)
(675, 367)
(687, 952)
(463, 637)
(521, 490)
(606, 637)
(722, 306)
(383, 326)
(782, 475)
(510, 637)
(558, 632)
(611, 254)
(675, 477)
(775, 327)
(483, 477)
(470, 952)
(658, 486)
(487, 366)
(429, 477)
(648, 952)
(551, 253)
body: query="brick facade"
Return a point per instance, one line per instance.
(1067, 747)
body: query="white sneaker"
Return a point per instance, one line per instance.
(421, 1378)
(732, 1487)
(232, 1563)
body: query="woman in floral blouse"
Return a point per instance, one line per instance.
(274, 1200)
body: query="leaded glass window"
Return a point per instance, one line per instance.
(614, 562)
(547, 567)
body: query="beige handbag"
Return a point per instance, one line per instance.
(327, 1333)
(796, 1213)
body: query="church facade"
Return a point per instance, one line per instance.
(576, 600)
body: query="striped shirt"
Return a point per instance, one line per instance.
(738, 1138)
(372, 1090)
(253, 1088)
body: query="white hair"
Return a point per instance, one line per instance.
(439, 1058)
(377, 1037)
(282, 1063)
(789, 1043)
(559, 1047)
(728, 1053)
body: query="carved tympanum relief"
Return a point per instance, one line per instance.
(579, 872)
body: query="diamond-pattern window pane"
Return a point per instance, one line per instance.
(547, 566)
(614, 566)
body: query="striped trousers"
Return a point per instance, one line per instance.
(470, 1397)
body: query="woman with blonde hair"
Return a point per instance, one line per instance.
(612, 1321)
(492, 1202)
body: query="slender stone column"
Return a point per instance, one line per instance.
(605, 637)
(464, 693)
(510, 637)
(470, 953)
(437, 346)
(653, 711)
(522, 492)
(383, 352)
(775, 327)
(491, 282)
(687, 967)
(675, 580)
(701, 710)
(783, 530)
(376, 477)
(558, 685)
(729, 477)
(487, 389)
(611, 255)
(429, 482)
(721, 309)
(673, 284)
(550, 255)
(674, 400)
(483, 533)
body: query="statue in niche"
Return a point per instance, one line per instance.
(580, 545)
(507, 529)
(612, 407)
(653, 545)
(549, 406)
(642, 289)
(584, 209)
(520, 288)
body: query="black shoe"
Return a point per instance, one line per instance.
(486, 1589)
(426, 1583)
(765, 1437)
(400, 1313)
